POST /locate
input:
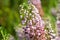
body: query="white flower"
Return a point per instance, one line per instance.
(30, 22)
(28, 28)
(39, 34)
(35, 9)
(30, 14)
(33, 16)
(25, 11)
(58, 22)
(22, 9)
(54, 34)
(21, 16)
(36, 19)
(23, 21)
(32, 27)
(26, 14)
(33, 33)
(52, 30)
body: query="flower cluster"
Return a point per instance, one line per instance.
(36, 32)
(50, 34)
(25, 13)
(35, 27)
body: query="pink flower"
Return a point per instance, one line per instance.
(38, 31)
(39, 34)
(28, 29)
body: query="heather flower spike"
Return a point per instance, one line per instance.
(35, 31)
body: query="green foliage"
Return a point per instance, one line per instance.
(9, 17)
(3, 34)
